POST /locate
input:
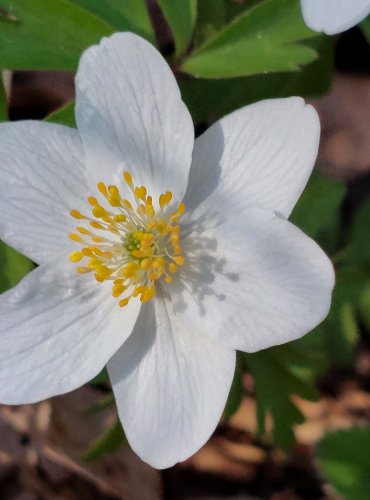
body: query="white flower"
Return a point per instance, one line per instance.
(334, 16)
(228, 272)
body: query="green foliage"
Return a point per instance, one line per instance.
(344, 460)
(359, 236)
(365, 26)
(64, 115)
(236, 391)
(124, 15)
(209, 100)
(340, 329)
(280, 372)
(13, 267)
(318, 207)
(181, 16)
(112, 439)
(266, 38)
(39, 34)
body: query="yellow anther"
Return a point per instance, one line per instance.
(83, 270)
(114, 196)
(103, 189)
(140, 192)
(175, 216)
(97, 225)
(102, 274)
(76, 237)
(175, 238)
(75, 256)
(77, 215)
(139, 290)
(127, 204)
(118, 289)
(99, 211)
(93, 201)
(119, 218)
(87, 252)
(97, 239)
(124, 302)
(83, 230)
(128, 178)
(172, 267)
(146, 264)
(179, 260)
(165, 199)
(158, 263)
(176, 249)
(168, 279)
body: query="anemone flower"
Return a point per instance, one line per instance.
(158, 256)
(334, 16)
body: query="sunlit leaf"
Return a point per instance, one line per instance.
(125, 15)
(263, 39)
(13, 267)
(112, 439)
(39, 34)
(212, 99)
(180, 15)
(344, 460)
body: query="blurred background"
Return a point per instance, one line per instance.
(297, 423)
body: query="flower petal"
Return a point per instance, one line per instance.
(252, 280)
(131, 117)
(171, 384)
(260, 155)
(334, 16)
(58, 330)
(41, 179)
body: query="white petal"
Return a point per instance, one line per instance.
(171, 384)
(334, 16)
(58, 330)
(260, 155)
(41, 179)
(131, 117)
(252, 280)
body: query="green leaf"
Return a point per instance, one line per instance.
(106, 402)
(13, 265)
(125, 15)
(278, 373)
(359, 237)
(180, 15)
(3, 103)
(64, 115)
(365, 26)
(110, 441)
(263, 39)
(344, 460)
(39, 34)
(319, 204)
(215, 14)
(340, 329)
(208, 100)
(101, 378)
(236, 391)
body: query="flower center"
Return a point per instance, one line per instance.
(134, 245)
